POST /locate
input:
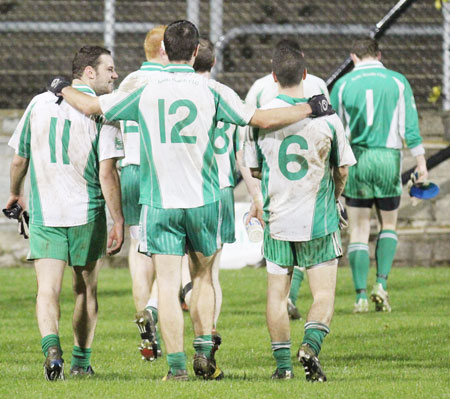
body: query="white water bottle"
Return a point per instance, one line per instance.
(254, 229)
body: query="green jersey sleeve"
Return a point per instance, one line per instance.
(411, 121)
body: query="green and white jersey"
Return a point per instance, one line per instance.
(177, 111)
(130, 129)
(297, 182)
(377, 108)
(226, 144)
(265, 89)
(64, 148)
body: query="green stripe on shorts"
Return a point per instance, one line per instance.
(129, 183)
(227, 217)
(302, 253)
(375, 175)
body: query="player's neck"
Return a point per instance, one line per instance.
(81, 81)
(206, 74)
(295, 91)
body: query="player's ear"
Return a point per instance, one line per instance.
(274, 77)
(89, 72)
(354, 58)
(379, 56)
(196, 50)
(305, 73)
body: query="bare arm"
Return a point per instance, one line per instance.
(279, 117)
(110, 184)
(340, 177)
(421, 168)
(84, 103)
(254, 189)
(18, 171)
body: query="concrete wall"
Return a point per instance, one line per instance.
(424, 228)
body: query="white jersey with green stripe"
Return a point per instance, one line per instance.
(130, 129)
(65, 148)
(377, 108)
(226, 144)
(177, 112)
(265, 89)
(297, 181)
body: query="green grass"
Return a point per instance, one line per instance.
(404, 354)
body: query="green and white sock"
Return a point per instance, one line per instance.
(385, 253)
(81, 357)
(154, 313)
(176, 361)
(296, 282)
(358, 256)
(282, 354)
(203, 344)
(48, 341)
(314, 335)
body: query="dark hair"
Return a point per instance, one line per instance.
(288, 63)
(87, 56)
(180, 40)
(365, 47)
(205, 57)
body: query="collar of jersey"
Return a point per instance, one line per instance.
(84, 89)
(178, 68)
(369, 64)
(151, 66)
(291, 100)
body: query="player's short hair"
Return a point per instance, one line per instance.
(87, 56)
(180, 40)
(365, 47)
(152, 42)
(205, 57)
(288, 63)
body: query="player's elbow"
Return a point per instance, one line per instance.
(19, 162)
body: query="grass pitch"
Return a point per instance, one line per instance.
(404, 354)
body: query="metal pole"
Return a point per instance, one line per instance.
(215, 20)
(193, 12)
(446, 57)
(110, 19)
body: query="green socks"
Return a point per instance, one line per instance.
(314, 335)
(282, 355)
(48, 341)
(81, 357)
(296, 282)
(176, 361)
(154, 313)
(384, 253)
(358, 256)
(203, 344)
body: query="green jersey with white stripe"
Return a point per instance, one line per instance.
(377, 108)
(297, 182)
(64, 148)
(130, 129)
(177, 111)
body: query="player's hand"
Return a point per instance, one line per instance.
(421, 173)
(256, 211)
(342, 213)
(13, 199)
(115, 239)
(56, 84)
(320, 106)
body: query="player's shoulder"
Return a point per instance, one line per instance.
(275, 103)
(315, 79)
(396, 74)
(327, 122)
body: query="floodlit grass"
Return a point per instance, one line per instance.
(404, 354)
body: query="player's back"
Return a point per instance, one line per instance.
(63, 147)
(296, 176)
(371, 102)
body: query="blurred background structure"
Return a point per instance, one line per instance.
(38, 39)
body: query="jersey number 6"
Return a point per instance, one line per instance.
(284, 158)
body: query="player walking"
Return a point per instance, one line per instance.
(303, 168)
(72, 161)
(177, 111)
(378, 110)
